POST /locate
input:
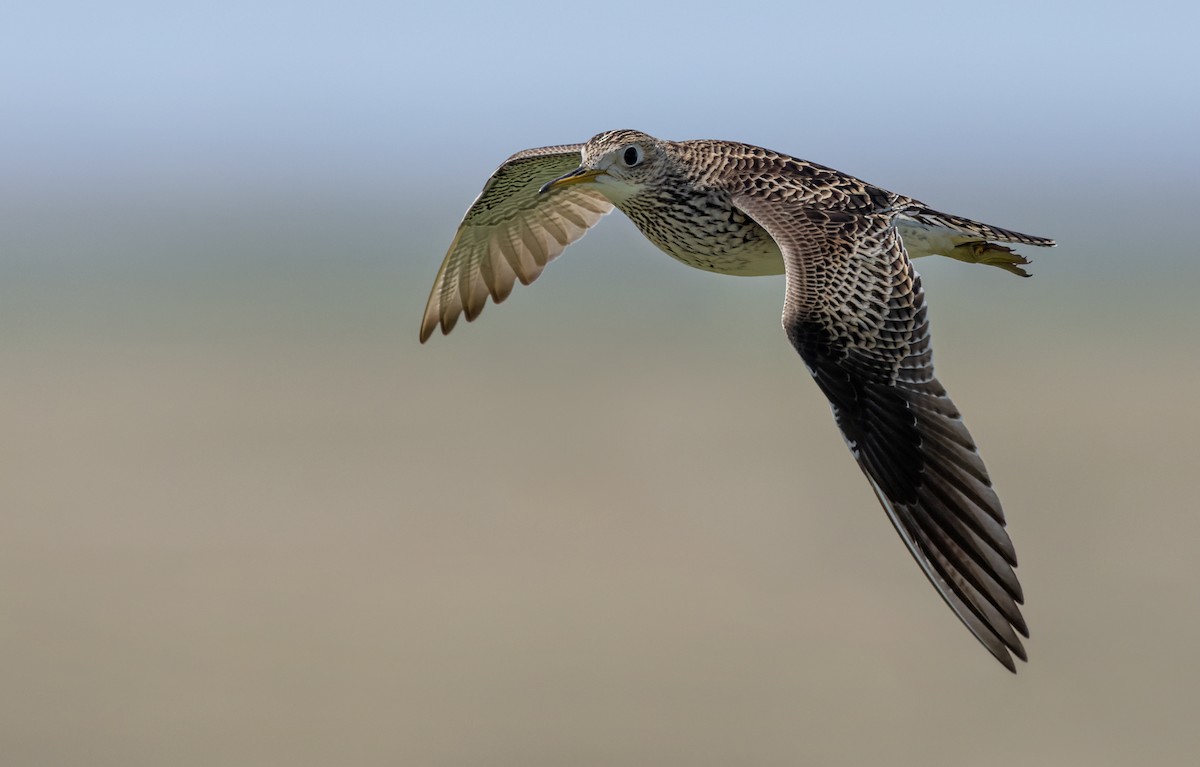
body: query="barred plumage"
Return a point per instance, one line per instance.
(854, 309)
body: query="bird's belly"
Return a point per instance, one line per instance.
(728, 243)
(754, 259)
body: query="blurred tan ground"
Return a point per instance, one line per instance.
(248, 520)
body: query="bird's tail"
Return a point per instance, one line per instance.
(967, 226)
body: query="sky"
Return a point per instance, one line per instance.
(124, 94)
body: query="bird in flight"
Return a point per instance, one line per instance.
(854, 309)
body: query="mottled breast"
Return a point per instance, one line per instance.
(703, 229)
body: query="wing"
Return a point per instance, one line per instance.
(510, 233)
(856, 313)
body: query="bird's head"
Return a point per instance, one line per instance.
(618, 163)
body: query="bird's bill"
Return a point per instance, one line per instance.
(578, 176)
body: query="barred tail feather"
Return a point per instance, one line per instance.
(967, 226)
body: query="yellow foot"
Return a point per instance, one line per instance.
(991, 254)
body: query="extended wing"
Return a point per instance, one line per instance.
(510, 233)
(855, 312)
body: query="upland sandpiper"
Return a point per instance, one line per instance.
(854, 310)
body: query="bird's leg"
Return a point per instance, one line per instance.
(991, 254)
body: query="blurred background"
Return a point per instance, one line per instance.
(245, 518)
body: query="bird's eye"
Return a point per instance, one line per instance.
(632, 155)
